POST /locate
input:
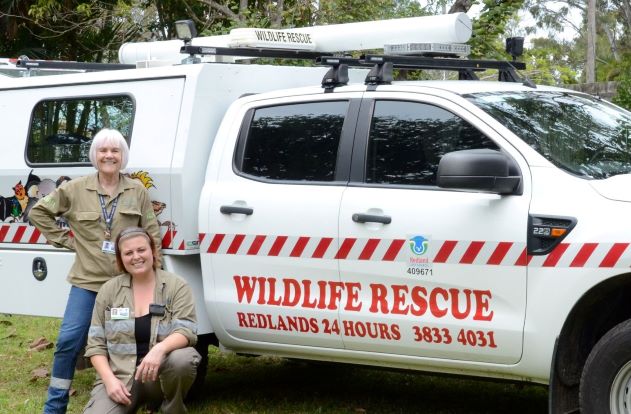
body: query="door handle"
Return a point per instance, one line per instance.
(236, 210)
(371, 218)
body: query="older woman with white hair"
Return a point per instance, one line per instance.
(96, 208)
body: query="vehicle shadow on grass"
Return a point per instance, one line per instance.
(237, 384)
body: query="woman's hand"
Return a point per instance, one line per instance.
(148, 368)
(117, 391)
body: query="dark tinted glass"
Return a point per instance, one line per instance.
(295, 142)
(62, 129)
(584, 135)
(407, 140)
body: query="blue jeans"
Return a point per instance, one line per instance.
(72, 337)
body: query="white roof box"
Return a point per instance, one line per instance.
(447, 28)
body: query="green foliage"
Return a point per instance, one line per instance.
(549, 62)
(345, 11)
(551, 14)
(491, 25)
(90, 30)
(613, 34)
(623, 93)
(69, 30)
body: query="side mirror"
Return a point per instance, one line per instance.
(479, 170)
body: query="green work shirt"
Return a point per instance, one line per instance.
(115, 338)
(77, 201)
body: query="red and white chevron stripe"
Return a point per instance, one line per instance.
(589, 255)
(303, 246)
(169, 238)
(573, 255)
(21, 234)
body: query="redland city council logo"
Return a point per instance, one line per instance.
(418, 245)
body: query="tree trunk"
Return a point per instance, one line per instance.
(461, 6)
(277, 14)
(612, 41)
(225, 11)
(590, 64)
(243, 9)
(626, 7)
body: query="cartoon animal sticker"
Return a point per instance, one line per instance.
(158, 206)
(15, 208)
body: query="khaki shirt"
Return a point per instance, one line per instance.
(115, 338)
(77, 201)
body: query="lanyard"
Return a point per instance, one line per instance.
(108, 216)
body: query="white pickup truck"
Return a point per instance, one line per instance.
(466, 227)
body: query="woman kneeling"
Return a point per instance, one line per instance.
(142, 332)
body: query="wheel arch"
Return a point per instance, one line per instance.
(601, 308)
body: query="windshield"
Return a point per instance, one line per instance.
(583, 135)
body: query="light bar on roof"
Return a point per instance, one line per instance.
(441, 49)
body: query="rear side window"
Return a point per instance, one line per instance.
(62, 129)
(297, 142)
(407, 140)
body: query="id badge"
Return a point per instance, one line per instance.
(119, 313)
(108, 247)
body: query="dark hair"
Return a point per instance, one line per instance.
(128, 233)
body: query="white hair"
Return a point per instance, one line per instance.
(109, 137)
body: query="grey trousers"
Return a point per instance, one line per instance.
(175, 377)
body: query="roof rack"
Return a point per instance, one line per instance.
(25, 67)
(466, 68)
(70, 66)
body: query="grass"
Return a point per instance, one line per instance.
(237, 384)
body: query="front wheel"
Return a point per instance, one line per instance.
(606, 378)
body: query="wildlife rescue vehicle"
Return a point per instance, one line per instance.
(330, 212)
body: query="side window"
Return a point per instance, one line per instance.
(297, 142)
(62, 129)
(407, 140)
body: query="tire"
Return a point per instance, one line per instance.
(606, 379)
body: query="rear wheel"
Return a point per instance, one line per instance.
(606, 379)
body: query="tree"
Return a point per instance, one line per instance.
(610, 23)
(590, 63)
(71, 30)
(491, 25)
(461, 6)
(550, 62)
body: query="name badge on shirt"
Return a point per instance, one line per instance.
(119, 313)
(108, 247)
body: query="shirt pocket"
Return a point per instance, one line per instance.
(89, 225)
(130, 217)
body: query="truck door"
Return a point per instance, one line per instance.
(440, 271)
(273, 220)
